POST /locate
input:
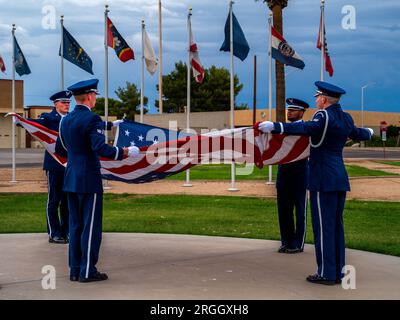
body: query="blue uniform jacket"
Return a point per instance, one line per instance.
(329, 131)
(82, 141)
(50, 120)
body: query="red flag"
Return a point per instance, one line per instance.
(115, 41)
(195, 62)
(2, 65)
(328, 62)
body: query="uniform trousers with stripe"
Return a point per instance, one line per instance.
(86, 211)
(57, 222)
(292, 234)
(327, 221)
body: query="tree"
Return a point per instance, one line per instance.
(211, 95)
(127, 106)
(277, 6)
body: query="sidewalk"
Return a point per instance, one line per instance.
(156, 266)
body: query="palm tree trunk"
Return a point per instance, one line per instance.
(279, 69)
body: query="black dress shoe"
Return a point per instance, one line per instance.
(74, 278)
(96, 277)
(294, 250)
(282, 249)
(315, 278)
(58, 240)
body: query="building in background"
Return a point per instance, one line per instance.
(6, 107)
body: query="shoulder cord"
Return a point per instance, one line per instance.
(325, 129)
(60, 135)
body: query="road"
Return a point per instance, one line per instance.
(34, 157)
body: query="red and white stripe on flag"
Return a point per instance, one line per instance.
(327, 58)
(195, 62)
(2, 65)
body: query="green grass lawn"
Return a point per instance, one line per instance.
(370, 226)
(223, 172)
(392, 163)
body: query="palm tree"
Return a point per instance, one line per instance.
(276, 7)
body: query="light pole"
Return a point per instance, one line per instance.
(362, 102)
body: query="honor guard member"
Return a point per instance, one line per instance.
(291, 185)
(57, 222)
(82, 142)
(327, 179)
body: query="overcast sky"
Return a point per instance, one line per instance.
(367, 54)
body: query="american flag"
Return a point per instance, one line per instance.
(165, 152)
(322, 37)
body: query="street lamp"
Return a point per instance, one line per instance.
(362, 101)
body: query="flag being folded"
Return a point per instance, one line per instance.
(283, 52)
(115, 41)
(167, 152)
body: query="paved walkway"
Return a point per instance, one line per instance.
(150, 266)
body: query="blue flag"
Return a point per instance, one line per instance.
(74, 53)
(21, 66)
(240, 46)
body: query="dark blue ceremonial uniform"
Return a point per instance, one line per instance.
(291, 185)
(327, 181)
(83, 142)
(57, 223)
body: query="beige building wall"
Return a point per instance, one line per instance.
(6, 107)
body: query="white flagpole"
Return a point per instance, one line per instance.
(14, 179)
(160, 80)
(62, 52)
(106, 11)
(142, 78)
(187, 183)
(322, 38)
(270, 85)
(233, 187)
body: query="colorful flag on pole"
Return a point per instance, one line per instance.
(2, 65)
(283, 52)
(165, 153)
(21, 65)
(74, 53)
(149, 54)
(115, 41)
(198, 71)
(327, 58)
(240, 45)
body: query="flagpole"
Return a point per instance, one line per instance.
(160, 80)
(14, 179)
(322, 38)
(233, 187)
(62, 52)
(142, 78)
(106, 11)
(188, 102)
(270, 86)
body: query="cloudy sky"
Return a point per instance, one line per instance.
(368, 54)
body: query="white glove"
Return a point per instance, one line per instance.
(371, 131)
(266, 126)
(116, 123)
(133, 151)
